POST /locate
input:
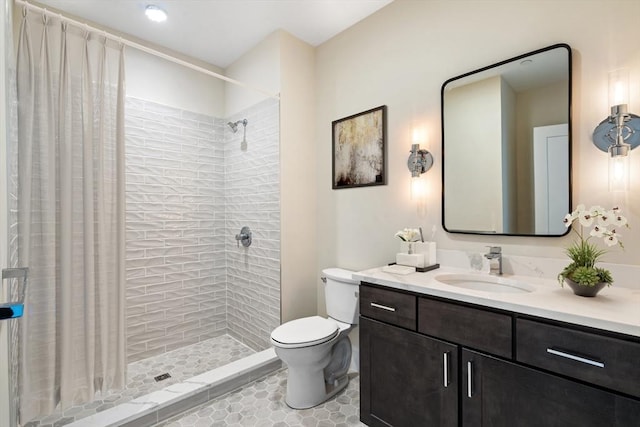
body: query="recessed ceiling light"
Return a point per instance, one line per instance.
(155, 14)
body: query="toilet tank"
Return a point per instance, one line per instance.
(341, 294)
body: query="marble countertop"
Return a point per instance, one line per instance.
(615, 309)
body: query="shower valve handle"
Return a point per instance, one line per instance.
(244, 237)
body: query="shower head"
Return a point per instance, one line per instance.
(234, 125)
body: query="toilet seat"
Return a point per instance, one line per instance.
(305, 332)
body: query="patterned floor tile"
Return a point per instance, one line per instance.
(261, 404)
(181, 364)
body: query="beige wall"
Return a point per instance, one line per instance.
(298, 180)
(283, 64)
(400, 57)
(259, 67)
(471, 107)
(158, 80)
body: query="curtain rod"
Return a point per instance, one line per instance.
(141, 47)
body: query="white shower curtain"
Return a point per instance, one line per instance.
(70, 214)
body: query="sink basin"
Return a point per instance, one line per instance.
(484, 283)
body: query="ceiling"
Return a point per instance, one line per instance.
(220, 31)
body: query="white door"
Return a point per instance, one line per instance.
(551, 178)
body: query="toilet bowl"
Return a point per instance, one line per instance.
(317, 350)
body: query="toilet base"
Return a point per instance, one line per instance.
(304, 402)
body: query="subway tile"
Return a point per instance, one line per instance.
(164, 269)
(163, 287)
(145, 299)
(180, 312)
(164, 305)
(145, 336)
(165, 251)
(146, 318)
(145, 280)
(164, 110)
(158, 217)
(165, 340)
(180, 140)
(197, 117)
(181, 241)
(145, 262)
(164, 234)
(188, 221)
(134, 272)
(183, 275)
(144, 133)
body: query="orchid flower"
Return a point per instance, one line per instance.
(408, 235)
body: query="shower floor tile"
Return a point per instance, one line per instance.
(181, 364)
(261, 403)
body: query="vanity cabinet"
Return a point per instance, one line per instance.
(498, 393)
(407, 379)
(434, 362)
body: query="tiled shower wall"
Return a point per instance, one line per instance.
(175, 225)
(252, 198)
(188, 194)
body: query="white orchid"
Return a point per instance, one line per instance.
(584, 254)
(586, 218)
(612, 239)
(597, 231)
(409, 234)
(619, 220)
(601, 219)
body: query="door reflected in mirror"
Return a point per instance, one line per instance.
(506, 132)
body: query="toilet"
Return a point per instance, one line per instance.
(317, 351)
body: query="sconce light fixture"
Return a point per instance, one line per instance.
(420, 161)
(619, 133)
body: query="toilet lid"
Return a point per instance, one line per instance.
(305, 332)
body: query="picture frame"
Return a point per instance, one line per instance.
(359, 149)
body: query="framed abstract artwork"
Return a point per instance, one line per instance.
(359, 145)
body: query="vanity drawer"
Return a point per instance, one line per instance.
(598, 359)
(471, 327)
(388, 306)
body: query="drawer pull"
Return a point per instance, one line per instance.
(576, 358)
(445, 368)
(469, 379)
(383, 307)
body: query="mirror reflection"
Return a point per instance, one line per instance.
(506, 146)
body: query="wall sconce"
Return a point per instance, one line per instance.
(619, 133)
(420, 161)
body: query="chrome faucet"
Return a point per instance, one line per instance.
(495, 252)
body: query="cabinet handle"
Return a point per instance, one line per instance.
(445, 368)
(469, 379)
(383, 307)
(574, 357)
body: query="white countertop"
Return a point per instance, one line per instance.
(614, 309)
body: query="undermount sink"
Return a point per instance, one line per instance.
(486, 283)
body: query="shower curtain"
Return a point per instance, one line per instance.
(70, 86)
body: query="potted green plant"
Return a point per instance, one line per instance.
(582, 275)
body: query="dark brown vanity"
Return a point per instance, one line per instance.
(429, 361)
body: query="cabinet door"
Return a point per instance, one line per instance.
(406, 379)
(498, 393)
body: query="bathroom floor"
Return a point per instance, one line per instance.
(261, 403)
(181, 364)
